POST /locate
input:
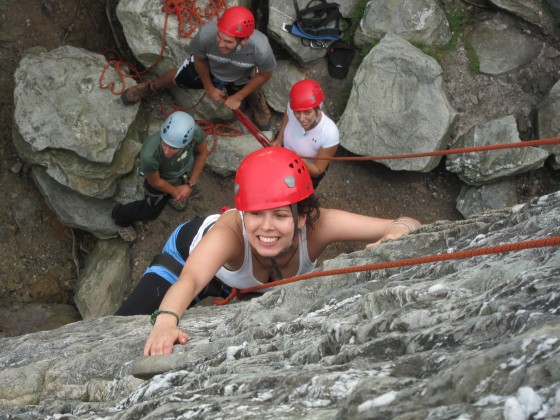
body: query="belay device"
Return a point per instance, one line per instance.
(319, 24)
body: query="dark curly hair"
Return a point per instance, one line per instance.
(310, 207)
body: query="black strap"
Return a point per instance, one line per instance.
(296, 8)
(313, 20)
(168, 262)
(317, 16)
(207, 228)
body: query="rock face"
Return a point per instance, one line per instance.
(97, 293)
(477, 337)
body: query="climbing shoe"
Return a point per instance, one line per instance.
(136, 93)
(128, 234)
(259, 108)
(178, 205)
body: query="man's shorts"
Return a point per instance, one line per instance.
(187, 77)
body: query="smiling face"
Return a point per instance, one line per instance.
(270, 231)
(307, 118)
(227, 43)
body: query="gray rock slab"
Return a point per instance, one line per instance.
(230, 151)
(277, 89)
(75, 210)
(59, 104)
(502, 47)
(480, 168)
(102, 282)
(473, 200)
(419, 21)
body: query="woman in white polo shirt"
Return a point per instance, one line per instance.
(306, 130)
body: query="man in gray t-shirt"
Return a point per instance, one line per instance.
(227, 56)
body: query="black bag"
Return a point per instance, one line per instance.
(339, 59)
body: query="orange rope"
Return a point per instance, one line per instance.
(188, 15)
(526, 143)
(498, 249)
(258, 134)
(190, 18)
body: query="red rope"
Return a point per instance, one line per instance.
(526, 143)
(188, 15)
(190, 18)
(498, 249)
(258, 134)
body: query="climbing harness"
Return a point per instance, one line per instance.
(316, 25)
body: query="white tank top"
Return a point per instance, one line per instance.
(244, 277)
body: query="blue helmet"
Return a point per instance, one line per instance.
(178, 130)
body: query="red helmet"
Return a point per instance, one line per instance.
(306, 94)
(237, 21)
(271, 177)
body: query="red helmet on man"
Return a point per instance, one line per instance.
(237, 21)
(271, 177)
(306, 94)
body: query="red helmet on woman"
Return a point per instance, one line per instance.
(306, 94)
(237, 21)
(271, 177)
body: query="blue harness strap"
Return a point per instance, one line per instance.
(297, 31)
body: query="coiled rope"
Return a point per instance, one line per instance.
(190, 17)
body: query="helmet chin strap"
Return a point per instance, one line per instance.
(316, 120)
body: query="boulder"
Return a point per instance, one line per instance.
(422, 22)
(479, 168)
(398, 105)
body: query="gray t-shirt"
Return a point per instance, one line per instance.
(238, 66)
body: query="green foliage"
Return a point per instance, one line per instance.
(355, 19)
(350, 31)
(367, 48)
(474, 62)
(457, 18)
(342, 97)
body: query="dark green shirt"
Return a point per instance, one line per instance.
(153, 160)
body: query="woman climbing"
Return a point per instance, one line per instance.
(276, 231)
(307, 130)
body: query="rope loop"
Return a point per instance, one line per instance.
(228, 299)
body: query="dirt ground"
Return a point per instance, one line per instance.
(40, 259)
